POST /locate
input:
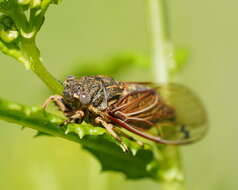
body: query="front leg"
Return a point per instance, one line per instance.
(76, 117)
(58, 100)
(110, 129)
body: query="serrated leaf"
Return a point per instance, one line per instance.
(84, 129)
(112, 158)
(133, 165)
(40, 134)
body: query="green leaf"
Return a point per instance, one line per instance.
(140, 162)
(113, 159)
(84, 129)
(40, 134)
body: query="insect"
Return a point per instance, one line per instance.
(165, 113)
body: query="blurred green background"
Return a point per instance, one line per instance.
(90, 30)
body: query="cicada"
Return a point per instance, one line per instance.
(163, 113)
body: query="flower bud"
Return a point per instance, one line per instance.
(23, 2)
(35, 3)
(8, 36)
(8, 31)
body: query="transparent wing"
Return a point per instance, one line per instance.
(191, 118)
(178, 116)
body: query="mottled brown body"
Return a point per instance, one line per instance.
(137, 107)
(133, 103)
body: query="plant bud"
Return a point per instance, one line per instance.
(35, 3)
(8, 32)
(8, 36)
(23, 2)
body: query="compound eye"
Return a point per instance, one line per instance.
(84, 99)
(70, 77)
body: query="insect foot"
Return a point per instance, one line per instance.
(110, 129)
(121, 133)
(77, 117)
(124, 147)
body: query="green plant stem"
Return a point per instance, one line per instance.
(159, 39)
(171, 174)
(32, 53)
(171, 171)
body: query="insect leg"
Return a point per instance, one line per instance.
(58, 100)
(129, 137)
(109, 127)
(77, 117)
